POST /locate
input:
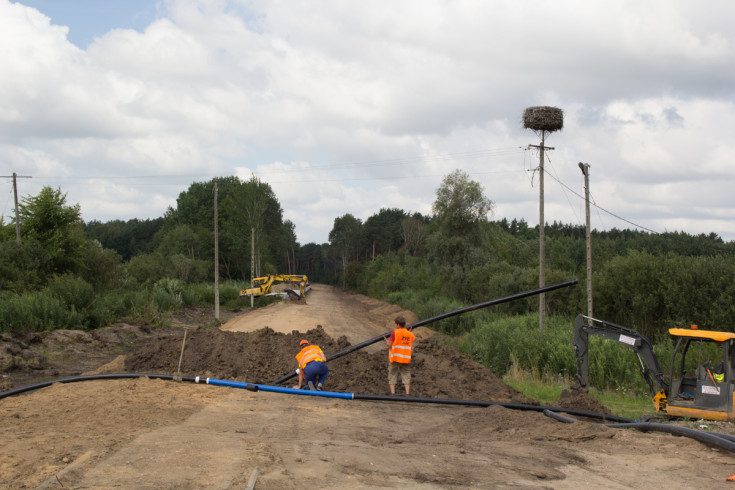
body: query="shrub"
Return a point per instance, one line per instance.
(72, 291)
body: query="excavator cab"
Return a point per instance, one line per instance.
(702, 384)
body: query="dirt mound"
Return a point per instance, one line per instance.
(263, 356)
(580, 399)
(29, 357)
(151, 433)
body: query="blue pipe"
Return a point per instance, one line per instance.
(275, 389)
(724, 441)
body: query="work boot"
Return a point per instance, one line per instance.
(310, 384)
(319, 387)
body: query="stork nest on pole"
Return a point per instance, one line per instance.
(543, 118)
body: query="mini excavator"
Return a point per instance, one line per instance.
(704, 392)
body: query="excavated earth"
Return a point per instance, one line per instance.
(153, 433)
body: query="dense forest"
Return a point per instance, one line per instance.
(64, 273)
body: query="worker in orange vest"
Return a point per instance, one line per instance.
(399, 355)
(312, 366)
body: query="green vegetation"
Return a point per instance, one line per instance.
(548, 391)
(68, 274)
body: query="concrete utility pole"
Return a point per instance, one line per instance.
(585, 168)
(15, 178)
(216, 256)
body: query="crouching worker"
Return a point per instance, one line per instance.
(312, 366)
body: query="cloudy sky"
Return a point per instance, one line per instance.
(350, 107)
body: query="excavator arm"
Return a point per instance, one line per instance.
(643, 348)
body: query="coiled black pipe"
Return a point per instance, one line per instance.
(442, 316)
(722, 441)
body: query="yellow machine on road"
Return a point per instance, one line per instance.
(262, 285)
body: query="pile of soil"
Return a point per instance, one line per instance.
(263, 356)
(152, 433)
(579, 399)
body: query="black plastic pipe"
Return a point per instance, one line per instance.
(89, 377)
(722, 441)
(354, 396)
(442, 316)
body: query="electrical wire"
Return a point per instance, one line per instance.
(600, 207)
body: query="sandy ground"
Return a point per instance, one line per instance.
(151, 433)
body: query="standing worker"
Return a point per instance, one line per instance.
(399, 355)
(312, 366)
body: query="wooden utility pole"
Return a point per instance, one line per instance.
(15, 177)
(216, 256)
(541, 234)
(585, 168)
(252, 265)
(542, 120)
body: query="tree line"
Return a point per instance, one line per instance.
(456, 256)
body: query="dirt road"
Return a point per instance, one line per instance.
(148, 433)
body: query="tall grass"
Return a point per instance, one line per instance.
(517, 340)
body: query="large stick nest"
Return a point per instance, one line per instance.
(543, 118)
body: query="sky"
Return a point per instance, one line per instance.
(350, 107)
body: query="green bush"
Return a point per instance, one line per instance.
(147, 269)
(167, 294)
(72, 291)
(36, 312)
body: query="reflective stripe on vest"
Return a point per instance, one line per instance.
(308, 354)
(400, 351)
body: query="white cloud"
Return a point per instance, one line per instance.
(348, 107)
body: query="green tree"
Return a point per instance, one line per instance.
(460, 203)
(242, 207)
(127, 238)
(413, 231)
(345, 239)
(57, 226)
(382, 231)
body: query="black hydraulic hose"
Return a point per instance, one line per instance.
(442, 316)
(722, 441)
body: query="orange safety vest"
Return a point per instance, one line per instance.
(308, 354)
(400, 351)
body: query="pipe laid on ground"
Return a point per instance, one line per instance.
(719, 440)
(325, 394)
(274, 389)
(442, 316)
(89, 377)
(722, 441)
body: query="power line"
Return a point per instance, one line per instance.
(601, 208)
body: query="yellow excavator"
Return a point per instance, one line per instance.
(262, 285)
(698, 387)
